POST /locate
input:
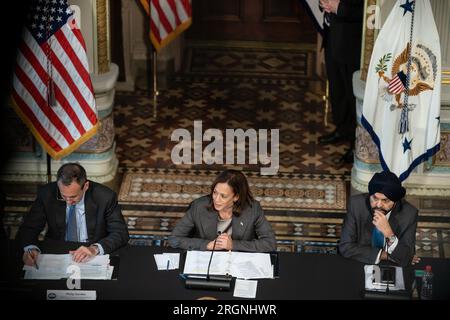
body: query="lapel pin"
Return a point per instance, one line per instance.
(242, 224)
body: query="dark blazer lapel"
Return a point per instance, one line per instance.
(90, 213)
(209, 224)
(368, 224)
(59, 210)
(394, 220)
(240, 224)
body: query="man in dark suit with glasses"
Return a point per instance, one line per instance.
(76, 210)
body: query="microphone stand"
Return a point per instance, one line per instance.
(214, 247)
(210, 258)
(391, 276)
(215, 282)
(387, 254)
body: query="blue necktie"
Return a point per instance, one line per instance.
(377, 238)
(72, 230)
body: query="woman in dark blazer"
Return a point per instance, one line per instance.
(227, 219)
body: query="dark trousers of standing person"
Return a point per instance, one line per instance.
(342, 99)
(342, 41)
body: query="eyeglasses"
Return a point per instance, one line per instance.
(385, 201)
(60, 197)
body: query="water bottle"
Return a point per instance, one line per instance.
(426, 293)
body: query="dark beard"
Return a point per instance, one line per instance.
(385, 212)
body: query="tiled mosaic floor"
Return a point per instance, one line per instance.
(236, 87)
(231, 88)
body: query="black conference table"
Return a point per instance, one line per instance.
(301, 276)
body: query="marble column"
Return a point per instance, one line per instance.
(431, 178)
(97, 155)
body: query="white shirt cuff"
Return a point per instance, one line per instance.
(100, 249)
(377, 261)
(30, 247)
(391, 248)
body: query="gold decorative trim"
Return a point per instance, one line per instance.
(307, 238)
(281, 219)
(102, 36)
(162, 214)
(369, 41)
(446, 77)
(149, 232)
(437, 225)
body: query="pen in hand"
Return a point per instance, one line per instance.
(34, 259)
(168, 262)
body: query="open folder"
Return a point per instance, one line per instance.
(244, 265)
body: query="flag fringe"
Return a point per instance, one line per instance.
(56, 155)
(171, 36)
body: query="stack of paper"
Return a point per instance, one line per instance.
(167, 261)
(245, 288)
(61, 266)
(244, 265)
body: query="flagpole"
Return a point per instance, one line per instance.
(155, 87)
(49, 168)
(325, 98)
(404, 123)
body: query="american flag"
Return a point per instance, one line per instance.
(397, 84)
(168, 18)
(52, 91)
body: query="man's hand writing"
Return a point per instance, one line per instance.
(30, 256)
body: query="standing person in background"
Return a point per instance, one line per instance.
(342, 58)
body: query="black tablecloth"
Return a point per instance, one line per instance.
(301, 276)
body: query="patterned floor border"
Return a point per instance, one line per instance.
(316, 232)
(282, 192)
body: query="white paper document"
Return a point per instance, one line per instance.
(61, 266)
(245, 288)
(373, 282)
(167, 261)
(244, 265)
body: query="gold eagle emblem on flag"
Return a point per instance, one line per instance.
(422, 74)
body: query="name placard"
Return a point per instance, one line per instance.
(71, 295)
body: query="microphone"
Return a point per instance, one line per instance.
(215, 282)
(210, 258)
(214, 248)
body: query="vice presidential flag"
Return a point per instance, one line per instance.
(168, 18)
(403, 90)
(52, 91)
